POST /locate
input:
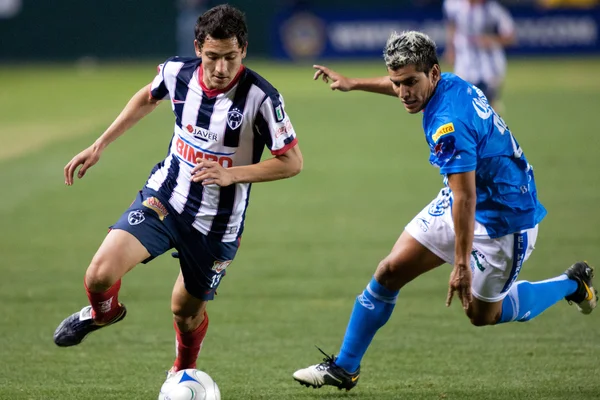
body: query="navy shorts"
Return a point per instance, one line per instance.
(159, 228)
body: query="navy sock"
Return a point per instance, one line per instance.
(526, 300)
(372, 309)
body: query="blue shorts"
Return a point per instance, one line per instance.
(159, 228)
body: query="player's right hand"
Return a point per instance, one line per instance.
(87, 158)
(460, 282)
(340, 82)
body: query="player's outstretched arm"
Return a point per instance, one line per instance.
(140, 105)
(463, 216)
(381, 85)
(281, 166)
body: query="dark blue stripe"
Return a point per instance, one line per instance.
(262, 128)
(205, 112)
(242, 224)
(264, 85)
(161, 90)
(519, 249)
(156, 168)
(232, 136)
(166, 189)
(258, 146)
(226, 200)
(194, 199)
(182, 83)
(289, 140)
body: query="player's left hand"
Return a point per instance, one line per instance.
(211, 173)
(460, 282)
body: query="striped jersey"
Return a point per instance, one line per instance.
(472, 62)
(231, 126)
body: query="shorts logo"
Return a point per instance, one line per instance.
(219, 266)
(136, 217)
(477, 260)
(443, 130)
(441, 203)
(155, 205)
(437, 208)
(365, 302)
(234, 118)
(423, 224)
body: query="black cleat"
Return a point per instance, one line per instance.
(76, 327)
(327, 373)
(585, 297)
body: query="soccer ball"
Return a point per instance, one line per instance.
(189, 384)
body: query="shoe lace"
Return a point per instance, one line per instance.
(328, 361)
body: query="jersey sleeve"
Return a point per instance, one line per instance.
(454, 147)
(158, 89)
(274, 126)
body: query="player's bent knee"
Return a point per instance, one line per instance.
(389, 274)
(483, 319)
(182, 313)
(100, 275)
(186, 320)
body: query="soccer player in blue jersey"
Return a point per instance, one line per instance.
(484, 221)
(195, 200)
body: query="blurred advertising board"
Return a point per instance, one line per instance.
(356, 34)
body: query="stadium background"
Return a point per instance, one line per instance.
(311, 243)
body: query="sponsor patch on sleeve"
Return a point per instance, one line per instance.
(279, 115)
(442, 130)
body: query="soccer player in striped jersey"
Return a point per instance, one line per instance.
(477, 33)
(195, 200)
(484, 221)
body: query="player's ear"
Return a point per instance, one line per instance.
(244, 51)
(198, 48)
(436, 73)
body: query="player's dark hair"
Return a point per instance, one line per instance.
(222, 22)
(410, 48)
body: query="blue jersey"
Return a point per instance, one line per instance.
(465, 134)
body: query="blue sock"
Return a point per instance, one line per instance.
(372, 309)
(526, 300)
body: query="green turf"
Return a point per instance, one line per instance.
(310, 246)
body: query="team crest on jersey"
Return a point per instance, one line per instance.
(234, 118)
(136, 217)
(220, 266)
(155, 205)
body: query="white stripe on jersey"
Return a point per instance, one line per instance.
(222, 128)
(473, 63)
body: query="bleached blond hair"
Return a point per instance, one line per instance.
(410, 48)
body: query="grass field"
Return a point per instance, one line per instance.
(310, 246)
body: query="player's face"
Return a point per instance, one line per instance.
(221, 61)
(414, 88)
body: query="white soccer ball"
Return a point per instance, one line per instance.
(189, 384)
